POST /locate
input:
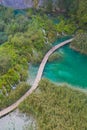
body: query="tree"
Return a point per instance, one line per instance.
(82, 14)
(80, 42)
(48, 5)
(5, 63)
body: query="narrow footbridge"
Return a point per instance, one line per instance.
(37, 79)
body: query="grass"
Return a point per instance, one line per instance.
(57, 107)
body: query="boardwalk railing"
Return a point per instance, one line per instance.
(37, 79)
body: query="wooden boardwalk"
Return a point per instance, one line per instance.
(37, 79)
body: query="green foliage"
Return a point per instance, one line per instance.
(82, 14)
(7, 58)
(61, 6)
(65, 27)
(57, 107)
(26, 39)
(5, 63)
(14, 95)
(28, 36)
(76, 10)
(80, 42)
(3, 37)
(48, 5)
(80, 17)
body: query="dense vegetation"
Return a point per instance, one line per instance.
(27, 35)
(80, 42)
(26, 39)
(57, 107)
(76, 9)
(14, 95)
(76, 13)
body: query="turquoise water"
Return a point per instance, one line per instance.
(71, 69)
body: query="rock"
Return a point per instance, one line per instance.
(19, 4)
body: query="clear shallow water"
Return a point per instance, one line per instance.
(16, 121)
(71, 69)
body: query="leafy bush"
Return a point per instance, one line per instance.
(3, 37)
(80, 42)
(26, 42)
(66, 27)
(14, 95)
